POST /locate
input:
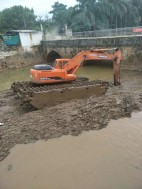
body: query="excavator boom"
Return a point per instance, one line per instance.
(72, 65)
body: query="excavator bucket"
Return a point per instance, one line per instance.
(116, 66)
(116, 69)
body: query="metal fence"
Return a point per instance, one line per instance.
(109, 32)
(129, 31)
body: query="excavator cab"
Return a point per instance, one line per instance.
(60, 63)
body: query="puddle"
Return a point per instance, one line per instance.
(110, 158)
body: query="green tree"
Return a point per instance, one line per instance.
(88, 8)
(138, 5)
(131, 18)
(80, 23)
(102, 11)
(119, 9)
(17, 17)
(59, 15)
(44, 23)
(72, 12)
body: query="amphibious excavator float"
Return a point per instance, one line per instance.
(53, 85)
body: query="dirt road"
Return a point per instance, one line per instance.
(70, 118)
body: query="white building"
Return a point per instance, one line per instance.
(29, 38)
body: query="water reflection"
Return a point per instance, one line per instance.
(105, 159)
(96, 72)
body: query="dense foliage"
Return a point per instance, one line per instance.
(16, 18)
(85, 15)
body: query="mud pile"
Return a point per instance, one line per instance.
(70, 118)
(40, 96)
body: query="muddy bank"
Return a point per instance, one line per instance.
(66, 119)
(50, 95)
(18, 57)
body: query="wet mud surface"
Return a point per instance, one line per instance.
(40, 96)
(19, 126)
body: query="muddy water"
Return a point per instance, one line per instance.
(105, 159)
(9, 76)
(131, 81)
(96, 72)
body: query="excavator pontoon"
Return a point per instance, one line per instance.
(53, 85)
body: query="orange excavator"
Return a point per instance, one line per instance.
(64, 69)
(39, 92)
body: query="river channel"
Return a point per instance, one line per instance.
(110, 158)
(23, 74)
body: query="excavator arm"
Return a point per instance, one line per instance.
(72, 65)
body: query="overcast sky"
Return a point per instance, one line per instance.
(41, 7)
